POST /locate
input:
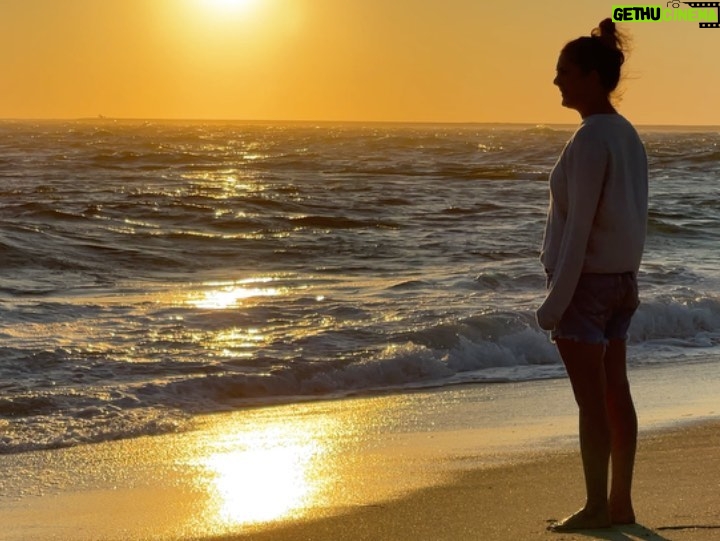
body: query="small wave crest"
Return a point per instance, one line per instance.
(397, 367)
(687, 322)
(340, 222)
(90, 425)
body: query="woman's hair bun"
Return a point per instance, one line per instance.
(603, 50)
(607, 33)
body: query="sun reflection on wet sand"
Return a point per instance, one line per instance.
(268, 470)
(307, 460)
(263, 482)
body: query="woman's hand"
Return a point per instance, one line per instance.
(546, 319)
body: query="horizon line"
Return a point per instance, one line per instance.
(315, 121)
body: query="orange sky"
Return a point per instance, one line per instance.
(366, 60)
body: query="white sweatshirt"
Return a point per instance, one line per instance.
(597, 218)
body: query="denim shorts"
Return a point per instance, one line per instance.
(600, 310)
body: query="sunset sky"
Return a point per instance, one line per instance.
(364, 60)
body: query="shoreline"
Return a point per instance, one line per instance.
(490, 462)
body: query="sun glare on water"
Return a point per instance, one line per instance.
(225, 295)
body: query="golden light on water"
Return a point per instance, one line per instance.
(237, 343)
(223, 295)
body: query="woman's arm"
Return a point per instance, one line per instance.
(586, 165)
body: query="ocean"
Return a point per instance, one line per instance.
(154, 271)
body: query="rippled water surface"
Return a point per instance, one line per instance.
(152, 271)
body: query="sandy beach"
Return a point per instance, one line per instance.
(678, 478)
(488, 462)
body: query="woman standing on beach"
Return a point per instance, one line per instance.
(593, 245)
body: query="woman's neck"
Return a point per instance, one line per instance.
(600, 107)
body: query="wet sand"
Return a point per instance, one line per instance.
(482, 462)
(677, 492)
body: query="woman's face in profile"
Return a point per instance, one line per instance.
(575, 86)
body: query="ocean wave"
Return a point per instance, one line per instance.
(684, 227)
(152, 397)
(700, 157)
(492, 172)
(489, 348)
(691, 321)
(544, 129)
(151, 160)
(659, 225)
(340, 222)
(92, 425)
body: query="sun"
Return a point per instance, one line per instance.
(230, 6)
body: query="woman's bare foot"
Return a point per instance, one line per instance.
(622, 517)
(621, 511)
(585, 519)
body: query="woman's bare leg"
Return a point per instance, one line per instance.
(623, 429)
(586, 368)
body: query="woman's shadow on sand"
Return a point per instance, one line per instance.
(632, 532)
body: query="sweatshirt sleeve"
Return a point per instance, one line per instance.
(585, 166)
